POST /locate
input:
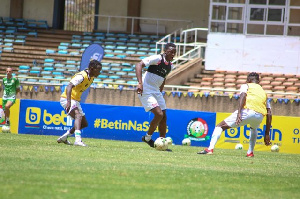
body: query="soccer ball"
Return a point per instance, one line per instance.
(186, 142)
(161, 144)
(275, 148)
(239, 146)
(169, 140)
(5, 129)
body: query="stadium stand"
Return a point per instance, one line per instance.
(42, 55)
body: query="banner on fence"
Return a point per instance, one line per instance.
(14, 117)
(115, 122)
(284, 133)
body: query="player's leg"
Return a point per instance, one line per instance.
(162, 126)
(228, 123)
(254, 119)
(252, 141)
(7, 106)
(150, 103)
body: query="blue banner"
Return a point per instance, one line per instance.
(93, 52)
(115, 122)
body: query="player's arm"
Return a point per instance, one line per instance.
(138, 72)
(74, 82)
(243, 97)
(268, 127)
(69, 92)
(242, 102)
(17, 86)
(161, 88)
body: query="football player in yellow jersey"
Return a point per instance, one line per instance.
(253, 106)
(70, 101)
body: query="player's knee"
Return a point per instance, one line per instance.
(159, 115)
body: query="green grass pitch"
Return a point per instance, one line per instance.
(33, 166)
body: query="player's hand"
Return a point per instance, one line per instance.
(238, 119)
(139, 89)
(68, 106)
(267, 140)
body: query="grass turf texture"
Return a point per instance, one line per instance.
(34, 166)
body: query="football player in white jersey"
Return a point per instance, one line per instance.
(150, 87)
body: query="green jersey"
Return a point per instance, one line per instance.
(10, 87)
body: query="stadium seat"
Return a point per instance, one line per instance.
(24, 67)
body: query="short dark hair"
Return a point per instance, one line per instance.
(94, 64)
(168, 45)
(253, 76)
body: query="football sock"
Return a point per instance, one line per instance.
(148, 137)
(215, 136)
(66, 135)
(77, 136)
(252, 140)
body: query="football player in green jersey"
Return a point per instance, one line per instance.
(11, 88)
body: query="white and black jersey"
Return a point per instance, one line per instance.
(158, 69)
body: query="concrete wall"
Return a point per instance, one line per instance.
(39, 10)
(4, 8)
(113, 8)
(194, 10)
(231, 52)
(129, 98)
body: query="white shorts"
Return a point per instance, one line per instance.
(248, 117)
(74, 104)
(152, 100)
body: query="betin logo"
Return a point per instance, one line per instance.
(33, 115)
(197, 129)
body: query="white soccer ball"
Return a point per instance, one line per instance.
(169, 140)
(5, 129)
(239, 146)
(186, 142)
(275, 148)
(161, 144)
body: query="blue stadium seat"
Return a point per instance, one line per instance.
(109, 55)
(102, 76)
(46, 73)
(108, 80)
(24, 67)
(36, 68)
(34, 72)
(121, 56)
(48, 68)
(126, 64)
(63, 52)
(132, 48)
(23, 71)
(62, 47)
(127, 69)
(49, 60)
(132, 82)
(114, 76)
(50, 51)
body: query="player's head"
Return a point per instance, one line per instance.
(9, 72)
(253, 78)
(95, 67)
(170, 51)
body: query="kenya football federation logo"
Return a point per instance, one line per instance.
(197, 130)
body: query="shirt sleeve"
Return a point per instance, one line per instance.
(244, 88)
(152, 60)
(17, 83)
(77, 79)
